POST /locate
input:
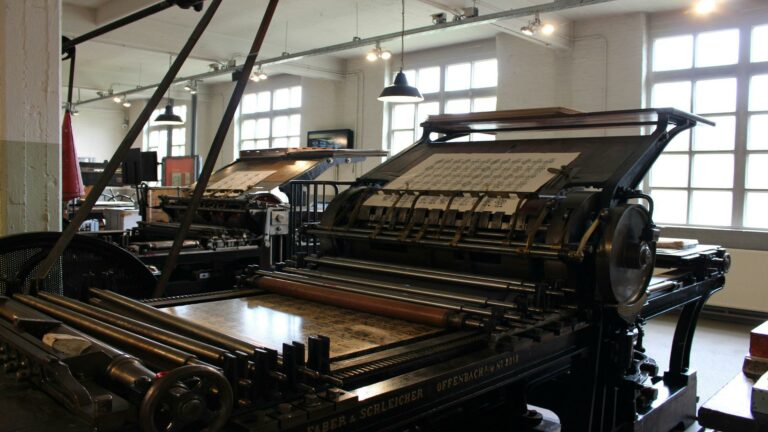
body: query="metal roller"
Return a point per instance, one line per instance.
(420, 313)
(205, 351)
(189, 397)
(174, 323)
(428, 274)
(163, 354)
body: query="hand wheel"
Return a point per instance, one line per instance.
(188, 398)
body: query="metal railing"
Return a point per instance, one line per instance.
(308, 200)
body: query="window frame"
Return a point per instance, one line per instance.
(441, 96)
(270, 114)
(737, 234)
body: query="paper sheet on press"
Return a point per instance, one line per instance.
(491, 204)
(502, 172)
(486, 172)
(241, 180)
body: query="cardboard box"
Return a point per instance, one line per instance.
(120, 219)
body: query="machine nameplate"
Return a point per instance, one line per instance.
(426, 392)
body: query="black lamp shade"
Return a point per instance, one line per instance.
(168, 117)
(400, 91)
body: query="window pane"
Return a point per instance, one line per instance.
(484, 74)
(717, 48)
(294, 142)
(262, 128)
(263, 100)
(670, 170)
(757, 172)
(711, 208)
(279, 126)
(179, 136)
(429, 80)
(715, 96)
(402, 116)
(424, 110)
(758, 47)
(755, 210)
(758, 93)
(280, 142)
(256, 102)
(758, 132)
(681, 142)
(670, 206)
(262, 144)
(282, 99)
(457, 76)
(294, 126)
(178, 150)
(295, 97)
(247, 145)
(158, 138)
(673, 53)
(712, 171)
(401, 140)
(249, 103)
(720, 137)
(248, 129)
(484, 104)
(672, 95)
(457, 106)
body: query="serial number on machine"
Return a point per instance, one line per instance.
(475, 374)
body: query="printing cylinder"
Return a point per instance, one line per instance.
(391, 308)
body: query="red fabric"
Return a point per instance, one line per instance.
(71, 179)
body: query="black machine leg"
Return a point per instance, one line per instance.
(680, 357)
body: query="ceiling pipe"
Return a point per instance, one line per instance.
(555, 6)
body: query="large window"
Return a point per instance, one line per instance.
(271, 119)
(159, 136)
(450, 89)
(713, 177)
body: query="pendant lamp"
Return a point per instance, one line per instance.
(400, 90)
(168, 117)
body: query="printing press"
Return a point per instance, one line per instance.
(242, 218)
(460, 284)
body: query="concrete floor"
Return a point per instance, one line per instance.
(717, 354)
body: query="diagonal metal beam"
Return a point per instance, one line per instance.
(122, 151)
(213, 153)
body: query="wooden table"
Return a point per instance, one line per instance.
(729, 409)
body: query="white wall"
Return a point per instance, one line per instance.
(98, 132)
(30, 121)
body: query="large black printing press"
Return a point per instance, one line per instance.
(461, 284)
(242, 218)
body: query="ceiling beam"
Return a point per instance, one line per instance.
(426, 30)
(116, 9)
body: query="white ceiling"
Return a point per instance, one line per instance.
(138, 54)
